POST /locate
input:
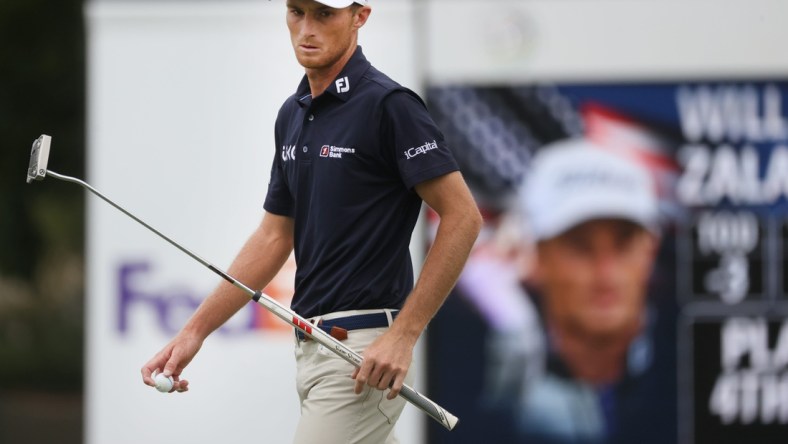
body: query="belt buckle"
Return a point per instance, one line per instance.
(337, 333)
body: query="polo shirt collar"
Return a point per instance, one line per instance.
(343, 85)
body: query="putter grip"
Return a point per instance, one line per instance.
(435, 411)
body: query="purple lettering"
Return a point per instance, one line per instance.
(171, 307)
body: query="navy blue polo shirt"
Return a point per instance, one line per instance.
(344, 170)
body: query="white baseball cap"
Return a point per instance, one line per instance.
(575, 181)
(341, 3)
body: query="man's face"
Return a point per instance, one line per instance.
(593, 277)
(321, 35)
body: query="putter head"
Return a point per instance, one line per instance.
(38, 158)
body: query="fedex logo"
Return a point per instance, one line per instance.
(169, 307)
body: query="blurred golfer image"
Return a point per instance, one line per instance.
(591, 218)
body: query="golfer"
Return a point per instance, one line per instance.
(356, 155)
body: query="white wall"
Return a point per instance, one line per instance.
(515, 41)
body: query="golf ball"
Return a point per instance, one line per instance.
(163, 383)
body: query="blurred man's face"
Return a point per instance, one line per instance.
(593, 277)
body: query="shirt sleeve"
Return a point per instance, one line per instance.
(278, 199)
(418, 146)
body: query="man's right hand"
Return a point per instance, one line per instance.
(171, 361)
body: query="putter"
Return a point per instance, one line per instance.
(37, 171)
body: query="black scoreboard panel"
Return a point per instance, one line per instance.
(732, 272)
(727, 257)
(733, 362)
(783, 263)
(735, 380)
(718, 151)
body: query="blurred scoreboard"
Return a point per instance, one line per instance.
(731, 271)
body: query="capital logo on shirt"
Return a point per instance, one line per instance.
(417, 150)
(288, 152)
(343, 85)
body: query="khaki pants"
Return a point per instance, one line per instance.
(331, 412)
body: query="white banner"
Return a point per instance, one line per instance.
(182, 98)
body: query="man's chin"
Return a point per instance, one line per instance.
(311, 61)
(606, 326)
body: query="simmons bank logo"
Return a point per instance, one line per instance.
(145, 303)
(335, 152)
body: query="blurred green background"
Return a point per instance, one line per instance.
(42, 90)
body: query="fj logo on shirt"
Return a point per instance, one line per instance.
(343, 85)
(415, 151)
(288, 152)
(335, 152)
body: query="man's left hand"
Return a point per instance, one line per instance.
(385, 365)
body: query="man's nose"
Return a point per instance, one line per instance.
(607, 264)
(308, 26)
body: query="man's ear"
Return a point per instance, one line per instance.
(528, 264)
(654, 244)
(361, 16)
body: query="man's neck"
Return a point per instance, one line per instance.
(321, 78)
(597, 361)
